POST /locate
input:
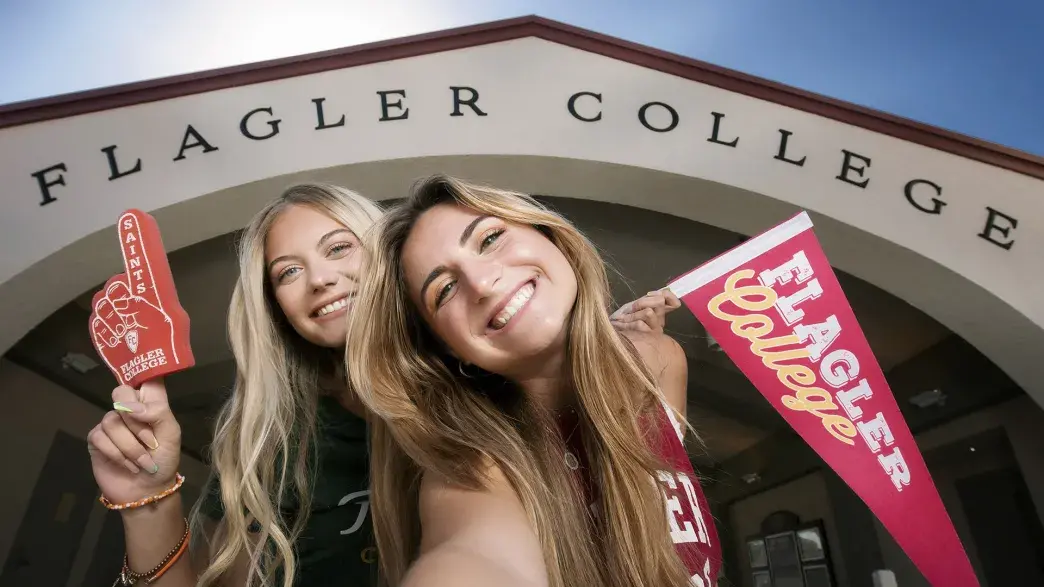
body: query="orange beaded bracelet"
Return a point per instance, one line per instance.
(179, 479)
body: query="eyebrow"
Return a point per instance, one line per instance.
(464, 236)
(470, 228)
(322, 241)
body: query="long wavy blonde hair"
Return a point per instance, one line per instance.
(263, 447)
(430, 420)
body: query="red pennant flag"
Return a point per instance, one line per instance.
(776, 308)
(137, 324)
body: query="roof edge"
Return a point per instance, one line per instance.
(94, 100)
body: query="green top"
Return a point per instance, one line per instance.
(336, 546)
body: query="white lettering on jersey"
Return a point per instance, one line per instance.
(705, 580)
(363, 499)
(682, 530)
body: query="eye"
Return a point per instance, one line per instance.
(444, 291)
(286, 272)
(490, 238)
(340, 248)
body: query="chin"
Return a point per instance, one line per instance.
(333, 342)
(543, 339)
(322, 338)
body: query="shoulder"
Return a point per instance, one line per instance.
(447, 509)
(666, 359)
(488, 523)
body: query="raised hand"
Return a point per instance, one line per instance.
(646, 314)
(136, 448)
(137, 324)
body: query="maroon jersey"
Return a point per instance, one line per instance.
(688, 514)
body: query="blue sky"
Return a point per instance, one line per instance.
(973, 67)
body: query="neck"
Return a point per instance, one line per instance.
(547, 381)
(333, 383)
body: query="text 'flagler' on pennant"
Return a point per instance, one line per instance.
(776, 308)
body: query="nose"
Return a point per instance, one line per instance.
(323, 277)
(481, 277)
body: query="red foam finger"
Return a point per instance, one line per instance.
(137, 250)
(155, 340)
(103, 335)
(105, 312)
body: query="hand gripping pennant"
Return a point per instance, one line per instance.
(137, 324)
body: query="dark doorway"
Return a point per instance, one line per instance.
(108, 554)
(49, 536)
(1005, 525)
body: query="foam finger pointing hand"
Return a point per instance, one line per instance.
(103, 335)
(107, 314)
(136, 258)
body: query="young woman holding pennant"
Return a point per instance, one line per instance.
(521, 440)
(289, 503)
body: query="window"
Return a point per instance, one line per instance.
(791, 558)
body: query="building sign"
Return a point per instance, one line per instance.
(852, 169)
(538, 115)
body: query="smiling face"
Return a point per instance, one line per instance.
(498, 294)
(312, 263)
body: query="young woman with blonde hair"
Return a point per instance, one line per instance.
(288, 503)
(521, 440)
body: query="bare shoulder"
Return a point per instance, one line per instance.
(446, 508)
(667, 361)
(485, 532)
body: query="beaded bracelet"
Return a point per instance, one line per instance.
(179, 479)
(128, 577)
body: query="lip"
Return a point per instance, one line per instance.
(504, 302)
(349, 297)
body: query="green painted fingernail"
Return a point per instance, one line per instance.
(119, 407)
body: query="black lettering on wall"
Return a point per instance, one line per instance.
(199, 141)
(114, 166)
(471, 102)
(385, 105)
(847, 166)
(273, 125)
(645, 122)
(572, 106)
(45, 183)
(936, 204)
(320, 116)
(717, 129)
(784, 136)
(991, 225)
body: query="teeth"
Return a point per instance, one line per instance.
(332, 307)
(512, 308)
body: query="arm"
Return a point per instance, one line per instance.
(151, 532)
(666, 359)
(135, 451)
(475, 538)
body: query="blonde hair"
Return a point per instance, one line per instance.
(430, 420)
(263, 443)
